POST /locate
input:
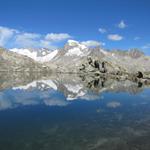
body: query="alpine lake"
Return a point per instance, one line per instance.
(73, 112)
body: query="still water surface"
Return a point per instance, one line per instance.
(68, 112)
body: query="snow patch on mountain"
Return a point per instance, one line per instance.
(74, 43)
(76, 48)
(25, 52)
(75, 51)
(45, 56)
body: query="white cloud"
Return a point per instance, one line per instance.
(57, 37)
(47, 44)
(137, 38)
(102, 30)
(6, 34)
(122, 25)
(11, 38)
(27, 39)
(147, 46)
(115, 37)
(38, 40)
(92, 43)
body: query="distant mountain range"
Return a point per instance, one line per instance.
(11, 61)
(75, 57)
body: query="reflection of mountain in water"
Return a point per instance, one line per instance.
(58, 89)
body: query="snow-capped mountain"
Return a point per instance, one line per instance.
(71, 49)
(74, 48)
(75, 56)
(39, 55)
(10, 61)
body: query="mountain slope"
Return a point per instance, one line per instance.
(40, 55)
(10, 61)
(75, 57)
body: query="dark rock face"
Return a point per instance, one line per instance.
(96, 64)
(82, 67)
(139, 74)
(89, 60)
(103, 67)
(93, 65)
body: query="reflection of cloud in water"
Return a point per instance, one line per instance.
(91, 96)
(113, 104)
(55, 102)
(5, 103)
(23, 98)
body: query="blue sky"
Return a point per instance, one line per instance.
(120, 24)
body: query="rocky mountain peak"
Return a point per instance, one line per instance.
(135, 53)
(72, 44)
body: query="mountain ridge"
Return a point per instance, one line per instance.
(11, 61)
(76, 57)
